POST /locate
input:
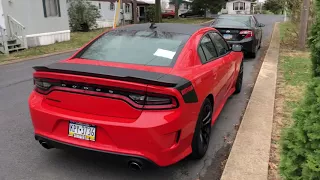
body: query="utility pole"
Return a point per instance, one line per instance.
(134, 12)
(285, 11)
(304, 23)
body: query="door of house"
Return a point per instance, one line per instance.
(2, 22)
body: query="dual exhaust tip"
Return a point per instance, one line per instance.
(134, 165)
(45, 145)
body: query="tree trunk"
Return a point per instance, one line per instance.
(304, 24)
(158, 10)
(176, 9)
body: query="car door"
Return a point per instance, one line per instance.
(212, 71)
(223, 50)
(257, 30)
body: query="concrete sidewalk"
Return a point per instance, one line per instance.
(249, 157)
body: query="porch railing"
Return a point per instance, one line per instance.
(3, 41)
(17, 31)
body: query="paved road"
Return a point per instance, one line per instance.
(21, 157)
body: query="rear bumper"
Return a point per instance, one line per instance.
(247, 44)
(162, 137)
(62, 145)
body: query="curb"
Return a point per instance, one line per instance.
(35, 57)
(249, 156)
(206, 22)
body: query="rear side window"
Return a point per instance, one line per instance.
(221, 45)
(151, 48)
(207, 48)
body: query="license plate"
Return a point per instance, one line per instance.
(82, 131)
(227, 36)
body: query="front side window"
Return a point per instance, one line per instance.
(221, 45)
(149, 48)
(207, 48)
(51, 8)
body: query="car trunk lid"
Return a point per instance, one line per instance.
(99, 90)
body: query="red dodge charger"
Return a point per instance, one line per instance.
(147, 92)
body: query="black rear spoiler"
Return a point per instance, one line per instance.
(123, 74)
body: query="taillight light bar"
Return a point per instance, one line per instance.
(248, 33)
(139, 100)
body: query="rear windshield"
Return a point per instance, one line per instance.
(151, 48)
(241, 21)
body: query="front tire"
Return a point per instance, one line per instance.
(201, 136)
(238, 85)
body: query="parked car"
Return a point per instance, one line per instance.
(240, 29)
(149, 93)
(192, 13)
(168, 14)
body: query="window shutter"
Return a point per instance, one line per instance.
(58, 4)
(44, 8)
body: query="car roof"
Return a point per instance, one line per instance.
(187, 29)
(246, 15)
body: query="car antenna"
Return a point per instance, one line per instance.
(153, 25)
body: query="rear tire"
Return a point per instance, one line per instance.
(238, 85)
(201, 136)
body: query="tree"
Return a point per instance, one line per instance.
(275, 6)
(314, 41)
(157, 11)
(82, 15)
(214, 6)
(300, 154)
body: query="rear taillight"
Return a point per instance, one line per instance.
(248, 33)
(138, 100)
(154, 101)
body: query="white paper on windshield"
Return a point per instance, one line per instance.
(164, 53)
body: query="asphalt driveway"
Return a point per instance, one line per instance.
(21, 157)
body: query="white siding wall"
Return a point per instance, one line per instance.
(107, 15)
(246, 11)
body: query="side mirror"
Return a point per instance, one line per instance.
(260, 25)
(236, 48)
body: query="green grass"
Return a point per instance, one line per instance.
(78, 39)
(187, 20)
(296, 68)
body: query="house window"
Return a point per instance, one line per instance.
(127, 8)
(51, 8)
(99, 5)
(111, 6)
(185, 6)
(238, 6)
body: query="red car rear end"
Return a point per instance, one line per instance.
(139, 101)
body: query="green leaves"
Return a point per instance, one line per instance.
(82, 15)
(300, 155)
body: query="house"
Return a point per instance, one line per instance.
(237, 7)
(28, 23)
(184, 6)
(142, 10)
(107, 10)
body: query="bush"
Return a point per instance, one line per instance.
(151, 13)
(300, 155)
(314, 41)
(82, 15)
